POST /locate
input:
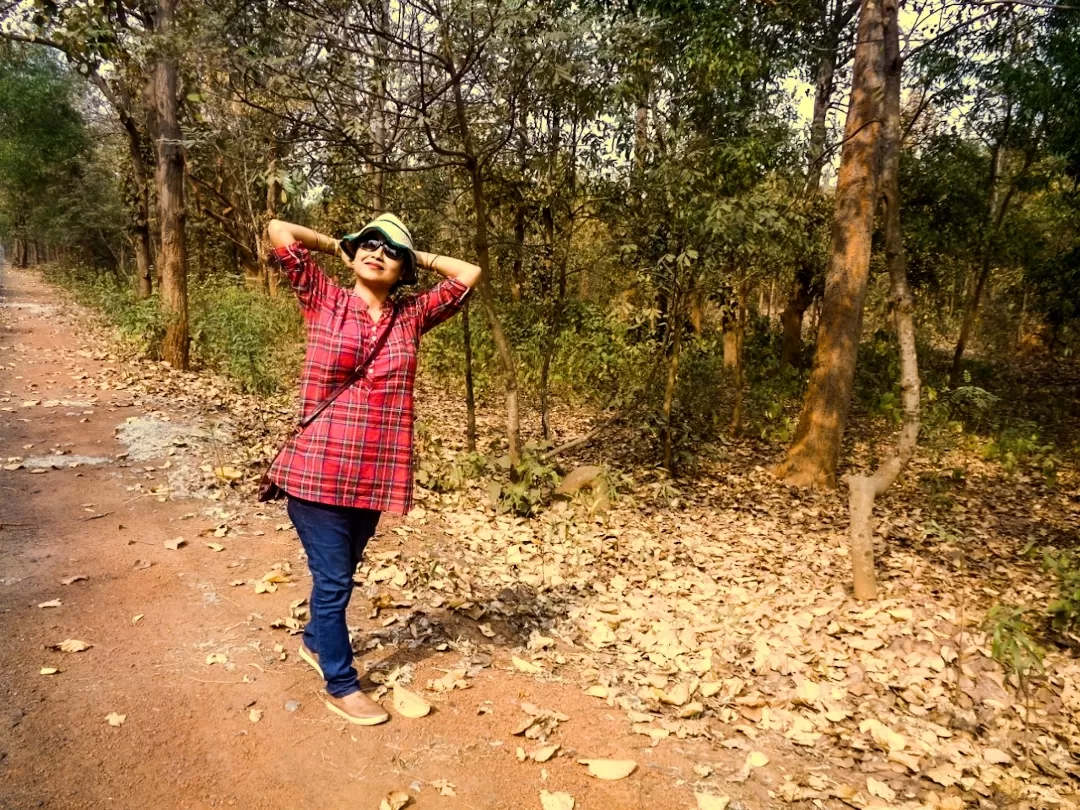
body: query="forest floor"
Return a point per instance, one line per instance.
(709, 637)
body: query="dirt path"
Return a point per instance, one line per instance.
(713, 636)
(188, 739)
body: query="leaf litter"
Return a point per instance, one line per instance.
(721, 611)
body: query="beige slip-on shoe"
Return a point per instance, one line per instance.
(357, 708)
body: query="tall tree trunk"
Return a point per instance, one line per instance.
(378, 112)
(791, 319)
(676, 320)
(740, 340)
(470, 393)
(997, 206)
(813, 457)
(556, 265)
(268, 276)
(162, 116)
(483, 257)
(863, 490)
(833, 23)
(120, 98)
(517, 270)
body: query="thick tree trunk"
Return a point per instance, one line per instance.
(802, 295)
(791, 319)
(813, 457)
(863, 490)
(470, 393)
(162, 109)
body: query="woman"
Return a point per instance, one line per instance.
(354, 461)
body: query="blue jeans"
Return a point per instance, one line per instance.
(334, 538)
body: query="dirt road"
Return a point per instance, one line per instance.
(154, 616)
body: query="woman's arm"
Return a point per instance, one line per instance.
(283, 234)
(468, 274)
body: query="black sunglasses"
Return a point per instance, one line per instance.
(370, 244)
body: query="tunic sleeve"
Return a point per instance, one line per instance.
(310, 284)
(440, 303)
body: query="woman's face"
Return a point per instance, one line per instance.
(375, 269)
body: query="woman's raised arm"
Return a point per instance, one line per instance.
(283, 234)
(449, 267)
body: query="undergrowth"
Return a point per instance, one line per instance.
(245, 334)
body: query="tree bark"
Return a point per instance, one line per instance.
(162, 116)
(802, 292)
(378, 117)
(997, 206)
(813, 457)
(791, 319)
(470, 393)
(864, 490)
(675, 318)
(738, 369)
(119, 96)
(483, 257)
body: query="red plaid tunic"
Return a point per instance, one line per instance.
(359, 451)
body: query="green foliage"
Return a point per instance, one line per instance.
(1065, 609)
(245, 334)
(529, 486)
(1021, 446)
(1012, 645)
(253, 338)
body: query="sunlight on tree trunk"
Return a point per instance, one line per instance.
(812, 458)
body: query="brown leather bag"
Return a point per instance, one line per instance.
(268, 490)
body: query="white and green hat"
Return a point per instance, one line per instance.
(393, 230)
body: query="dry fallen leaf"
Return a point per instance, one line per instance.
(545, 753)
(227, 474)
(445, 787)
(175, 543)
(116, 719)
(71, 645)
(556, 801)
(707, 801)
(395, 800)
(880, 789)
(524, 666)
(609, 769)
(49, 670)
(756, 759)
(408, 704)
(995, 756)
(52, 603)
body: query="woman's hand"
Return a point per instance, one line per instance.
(448, 267)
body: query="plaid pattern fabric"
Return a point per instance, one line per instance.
(359, 451)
